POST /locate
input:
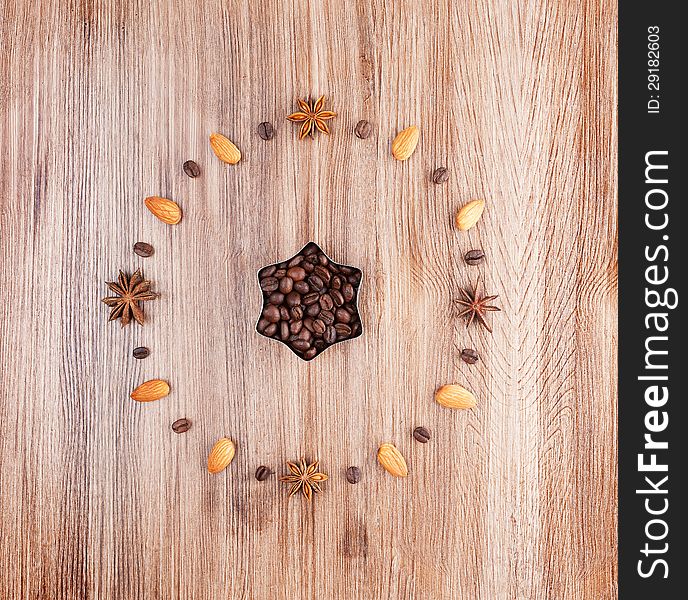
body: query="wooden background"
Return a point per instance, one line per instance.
(100, 106)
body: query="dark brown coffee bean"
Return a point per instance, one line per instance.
(301, 287)
(181, 425)
(354, 278)
(348, 292)
(307, 324)
(323, 260)
(269, 284)
(295, 262)
(323, 273)
(284, 313)
(313, 310)
(343, 330)
(421, 434)
(263, 472)
(293, 299)
(306, 334)
(363, 129)
(191, 169)
(470, 356)
(141, 352)
(319, 343)
(301, 345)
(297, 273)
(315, 282)
(318, 327)
(295, 327)
(353, 474)
(286, 285)
(143, 249)
(267, 271)
(326, 302)
(311, 298)
(308, 266)
(342, 315)
(262, 324)
(336, 282)
(327, 317)
(474, 257)
(276, 298)
(330, 335)
(337, 297)
(310, 249)
(271, 313)
(281, 271)
(284, 331)
(356, 329)
(310, 353)
(297, 312)
(266, 131)
(270, 330)
(440, 175)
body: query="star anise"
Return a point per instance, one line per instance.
(305, 478)
(476, 306)
(130, 291)
(313, 117)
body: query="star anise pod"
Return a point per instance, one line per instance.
(475, 306)
(305, 478)
(130, 291)
(312, 116)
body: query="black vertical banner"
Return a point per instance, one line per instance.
(653, 428)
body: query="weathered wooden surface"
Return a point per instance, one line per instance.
(99, 108)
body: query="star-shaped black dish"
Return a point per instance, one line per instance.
(309, 302)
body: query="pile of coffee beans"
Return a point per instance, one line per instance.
(309, 302)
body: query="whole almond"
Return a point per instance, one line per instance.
(164, 209)
(392, 460)
(224, 149)
(454, 396)
(405, 143)
(469, 214)
(151, 390)
(221, 455)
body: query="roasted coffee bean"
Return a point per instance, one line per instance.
(353, 474)
(348, 292)
(337, 297)
(313, 310)
(297, 313)
(295, 326)
(310, 353)
(141, 352)
(440, 175)
(354, 278)
(323, 260)
(306, 334)
(327, 317)
(281, 272)
(301, 287)
(269, 284)
(330, 335)
(315, 282)
(296, 261)
(342, 315)
(286, 285)
(326, 302)
(363, 129)
(356, 328)
(293, 299)
(308, 266)
(276, 298)
(311, 298)
(319, 343)
(284, 331)
(271, 313)
(267, 271)
(191, 169)
(470, 356)
(343, 330)
(266, 131)
(308, 324)
(323, 273)
(284, 313)
(181, 425)
(262, 324)
(143, 249)
(271, 329)
(474, 257)
(310, 249)
(336, 282)
(297, 273)
(301, 345)
(318, 327)
(421, 434)
(263, 472)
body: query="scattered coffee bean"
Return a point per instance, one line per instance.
(143, 250)
(363, 129)
(440, 175)
(309, 302)
(181, 425)
(474, 257)
(191, 169)
(141, 352)
(266, 131)
(263, 472)
(353, 474)
(470, 356)
(421, 434)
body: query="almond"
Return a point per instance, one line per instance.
(469, 214)
(151, 390)
(224, 149)
(454, 396)
(405, 143)
(166, 210)
(221, 455)
(392, 460)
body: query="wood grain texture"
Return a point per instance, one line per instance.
(100, 105)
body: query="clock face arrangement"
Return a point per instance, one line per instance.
(309, 303)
